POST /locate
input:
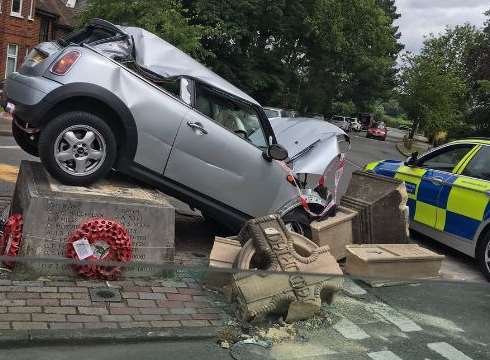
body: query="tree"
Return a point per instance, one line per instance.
(166, 18)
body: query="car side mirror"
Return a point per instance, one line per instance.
(275, 152)
(412, 160)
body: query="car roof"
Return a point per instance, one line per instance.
(476, 140)
(272, 108)
(150, 50)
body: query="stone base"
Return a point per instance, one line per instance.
(52, 211)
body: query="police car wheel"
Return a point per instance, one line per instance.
(483, 255)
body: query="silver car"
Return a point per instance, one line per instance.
(112, 97)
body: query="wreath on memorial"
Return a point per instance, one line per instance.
(11, 238)
(99, 239)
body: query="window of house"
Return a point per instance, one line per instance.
(16, 8)
(31, 10)
(44, 30)
(12, 53)
(239, 118)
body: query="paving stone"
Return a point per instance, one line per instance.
(4, 325)
(81, 296)
(12, 302)
(171, 304)
(75, 302)
(56, 295)
(42, 289)
(65, 325)
(15, 317)
(121, 318)
(182, 311)
(137, 289)
(22, 295)
(3, 310)
(73, 289)
(135, 324)
(83, 318)
(195, 323)
(148, 317)
(179, 297)
(49, 317)
(205, 316)
(171, 283)
(43, 302)
(5, 282)
(152, 296)
(60, 310)
(193, 304)
(162, 289)
(85, 283)
(27, 283)
(200, 298)
(129, 295)
(141, 303)
(209, 310)
(62, 283)
(29, 325)
(217, 322)
(101, 325)
(24, 309)
(164, 324)
(177, 317)
(92, 310)
(191, 291)
(154, 311)
(5, 289)
(124, 311)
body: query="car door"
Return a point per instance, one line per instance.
(218, 153)
(429, 181)
(468, 203)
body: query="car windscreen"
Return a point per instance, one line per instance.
(271, 113)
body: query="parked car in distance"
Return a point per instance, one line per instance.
(355, 125)
(115, 97)
(366, 120)
(377, 131)
(342, 122)
(273, 113)
(449, 195)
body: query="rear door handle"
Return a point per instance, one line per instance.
(197, 126)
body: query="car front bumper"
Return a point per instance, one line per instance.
(27, 94)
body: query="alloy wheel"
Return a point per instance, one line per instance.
(80, 150)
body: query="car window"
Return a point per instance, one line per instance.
(446, 159)
(271, 113)
(284, 113)
(479, 166)
(337, 118)
(239, 118)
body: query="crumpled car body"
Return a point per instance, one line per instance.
(168, 121)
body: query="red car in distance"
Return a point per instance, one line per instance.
(377, 131)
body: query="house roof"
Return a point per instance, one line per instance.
(58, 8)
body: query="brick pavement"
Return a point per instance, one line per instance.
(30, 305)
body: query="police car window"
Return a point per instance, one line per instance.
(447, 159)
(479, 167)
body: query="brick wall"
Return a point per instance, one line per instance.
(14, 30)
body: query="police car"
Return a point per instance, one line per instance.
(449, 195)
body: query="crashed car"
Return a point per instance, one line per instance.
(113, 97)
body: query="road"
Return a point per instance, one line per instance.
(456, 267)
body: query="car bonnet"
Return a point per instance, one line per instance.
(166, 60)
(312, 144)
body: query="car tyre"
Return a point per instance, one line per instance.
(297, 220)
(483, 254)
(23, 140)
(77, 148)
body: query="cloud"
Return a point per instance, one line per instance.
(419, 18)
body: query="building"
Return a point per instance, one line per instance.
(26, 23)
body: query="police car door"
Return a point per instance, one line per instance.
(436, 182)
(468, 205)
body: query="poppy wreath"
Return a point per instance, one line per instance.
(116, 247)
(11, 238)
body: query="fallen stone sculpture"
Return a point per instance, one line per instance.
(297, 293)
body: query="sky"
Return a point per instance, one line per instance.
(421, 17)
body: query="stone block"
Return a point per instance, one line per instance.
(52, 211)
(392, 261)
(335, 232)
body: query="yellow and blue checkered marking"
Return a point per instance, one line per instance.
(457, 206)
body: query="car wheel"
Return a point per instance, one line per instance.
(297, 220)
(483, 254)
(77, 148)
(24, 141)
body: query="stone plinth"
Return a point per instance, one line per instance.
(51, 212)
